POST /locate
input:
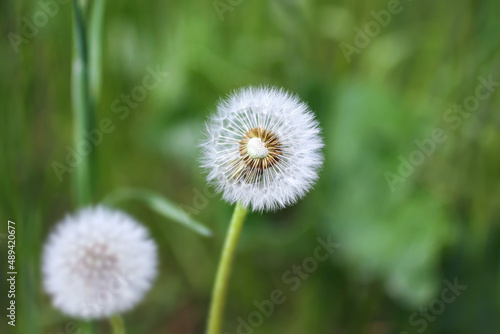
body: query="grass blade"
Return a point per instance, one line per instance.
(160, 205)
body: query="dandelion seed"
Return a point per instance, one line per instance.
(98, 263)
(262, 148)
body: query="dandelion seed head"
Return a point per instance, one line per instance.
(97, 263)
(262, 148)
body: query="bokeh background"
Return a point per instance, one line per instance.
(397, 245)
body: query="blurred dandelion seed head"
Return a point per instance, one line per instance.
(97, 263)
(262, 148)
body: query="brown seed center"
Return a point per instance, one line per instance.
(271, 143)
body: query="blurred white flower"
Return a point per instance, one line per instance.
(97, 263)
(262, 148)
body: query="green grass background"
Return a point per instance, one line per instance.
(396, 247)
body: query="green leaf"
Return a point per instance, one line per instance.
(160, 205)
(82, 106)
(96, 23)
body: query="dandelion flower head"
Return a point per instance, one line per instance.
(97, 263)
(262, 148)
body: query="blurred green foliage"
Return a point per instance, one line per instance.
(396, 245)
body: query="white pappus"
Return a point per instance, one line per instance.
(262, 148)
(97, 263)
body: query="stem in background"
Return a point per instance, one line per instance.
(117, 324)
(219, 291)
(82, 108)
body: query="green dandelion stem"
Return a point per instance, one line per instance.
(219, 291)
(117, 324)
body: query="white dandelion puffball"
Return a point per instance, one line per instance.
(262, 148)
(97, 263)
